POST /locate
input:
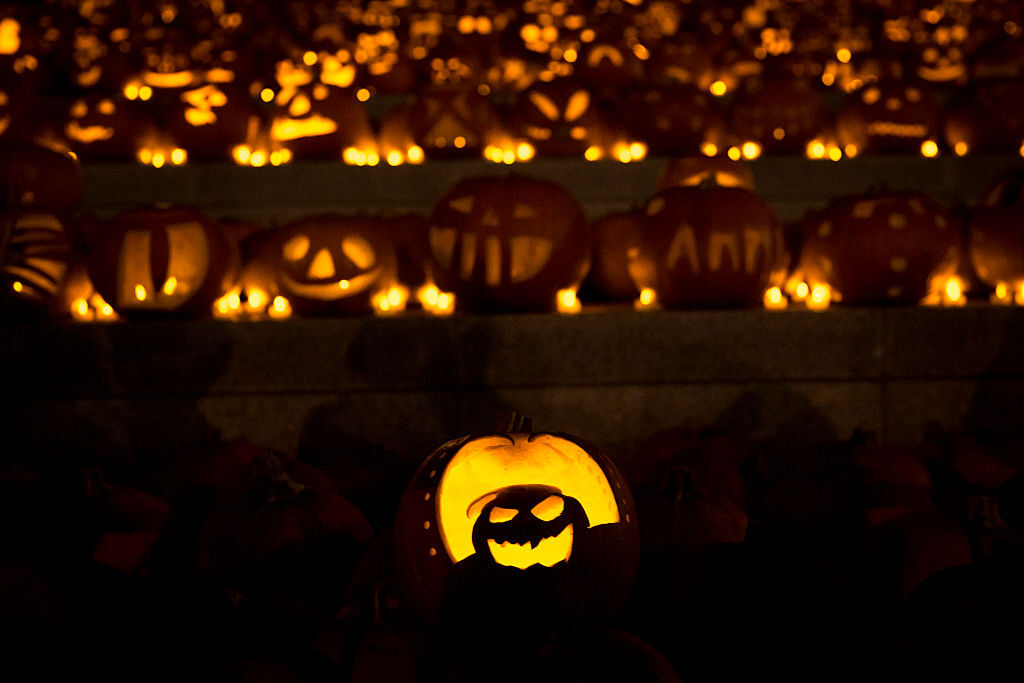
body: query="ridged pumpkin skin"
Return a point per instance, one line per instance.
(444, 584)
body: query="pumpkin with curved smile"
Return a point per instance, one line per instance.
(333, 264)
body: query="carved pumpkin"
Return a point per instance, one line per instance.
(508, 243)
(160, 262)
(531, 523)
(208, 121)
(333, 264)
(996, 236)
(559, 118)
(35, 250)
(447, 122)
(317, 121)
(877, 248)
(698, 170)
(708, 246)
(107, 128)
(888, 117)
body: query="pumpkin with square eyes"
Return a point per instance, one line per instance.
(332, 264)
(888, 117)
(508, 243)
(527, 523)
(559, 118)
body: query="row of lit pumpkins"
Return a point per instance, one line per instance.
(559, 118)
(397, 45)
(705, 240)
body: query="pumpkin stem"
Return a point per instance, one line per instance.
(512, 421)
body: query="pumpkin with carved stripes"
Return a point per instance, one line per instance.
(508, 243)
(35, 250)
(707, 247)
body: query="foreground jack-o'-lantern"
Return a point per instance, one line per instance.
(996, 237)
(877, 248)
(534, 524)
(35, 250)
(158, 261)
(508, 243)
(333, 264)
(708, 246)
(889, 117)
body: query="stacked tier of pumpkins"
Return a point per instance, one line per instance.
(165, 81)
(704, 239)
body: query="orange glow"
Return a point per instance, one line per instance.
(774, 300)
(566, 301)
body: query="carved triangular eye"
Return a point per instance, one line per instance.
(579, 102)
(462, 204)
(544, 105)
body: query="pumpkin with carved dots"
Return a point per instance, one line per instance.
(518, 526)
(160, 261)
(508, 243)
(881, 247)
(708, 246)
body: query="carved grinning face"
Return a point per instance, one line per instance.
(524, 526)
(889, 117)
(326, 263)
(557, 117)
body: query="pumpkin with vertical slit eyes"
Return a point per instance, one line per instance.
(508, 243)
(333, 264)
(708, 246)
(160, 261)
(525, 526)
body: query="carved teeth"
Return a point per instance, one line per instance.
(547, 551)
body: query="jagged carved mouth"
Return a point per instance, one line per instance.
(547, 551)
(899, 130)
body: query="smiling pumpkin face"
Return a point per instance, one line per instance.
(332, 264)
(889, 117)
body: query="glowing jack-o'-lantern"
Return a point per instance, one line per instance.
(508, 243)
(708, 246)
(106, 128)
(333, 264)
(889, 117)
(536, 514)
(996, 238)
(160, 262)
(559, 118)
(35, 250)
(877, 248)
(210, 120)
(448, 122)
(317, 121)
